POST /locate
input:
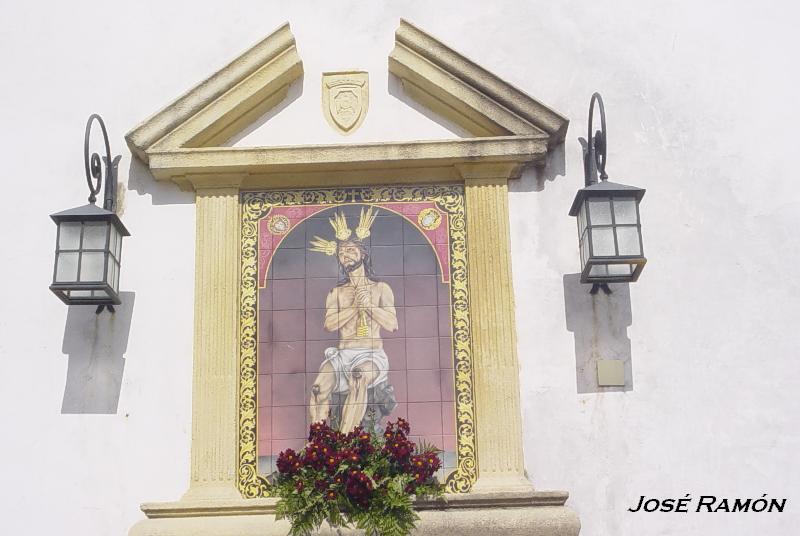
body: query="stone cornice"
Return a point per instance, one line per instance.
(226, 102)
(320, 165)
(464, 92)
(474, 514)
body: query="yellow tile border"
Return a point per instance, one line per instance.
(257, 205)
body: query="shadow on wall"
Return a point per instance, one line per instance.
(162, 193)
(535, 178)
(165, 193)
(96, 346)
(599, 323)
(395, 88)
(294, 92)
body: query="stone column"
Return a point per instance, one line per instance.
(216, 325)
(494, 345)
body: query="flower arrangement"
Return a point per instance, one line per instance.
(360, 478)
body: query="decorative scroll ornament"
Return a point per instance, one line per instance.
(345, 99)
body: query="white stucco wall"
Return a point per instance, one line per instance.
(700, 104)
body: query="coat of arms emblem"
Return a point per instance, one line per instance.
(345, 99)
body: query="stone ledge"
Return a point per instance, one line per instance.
(534, 513)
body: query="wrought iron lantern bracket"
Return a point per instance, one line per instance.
(89, 239)
(608, 215)
(94, 169)
(94, 172)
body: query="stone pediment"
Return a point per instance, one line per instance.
(187, 137)
(457, 88)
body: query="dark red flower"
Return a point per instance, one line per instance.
(318, 430)
(288, 462)
(359, 486)
(403, 426)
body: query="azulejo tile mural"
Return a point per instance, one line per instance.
(354, 309)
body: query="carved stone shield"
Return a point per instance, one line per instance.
(345, 99)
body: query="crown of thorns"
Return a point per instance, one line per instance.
(342, 232)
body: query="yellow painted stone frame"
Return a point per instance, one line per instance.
(255, 206)
(182, 144)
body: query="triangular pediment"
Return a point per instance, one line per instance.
(189, 135)
(226, 102)
(457, 88)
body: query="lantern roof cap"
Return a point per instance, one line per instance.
(90, 212)
(602, 189)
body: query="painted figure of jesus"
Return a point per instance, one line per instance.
(358, 307)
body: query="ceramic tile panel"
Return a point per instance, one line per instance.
(288, 294)
(289, 422)
(287, 357)
(288, 325)
(288, 263)
(288, 389)
(422, 353)
(420, 290)
(313, 332)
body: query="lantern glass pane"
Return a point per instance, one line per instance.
(598, 270)
(625, 210)
(602, 241)
(69, 235)
(99, 294)
(67, 267)
(619, 269)
(94, 234)
(118, 248)
(628, 240)
(79, 293)
(92, 266)
(112, 242)
(612, 270)
(582, 219)
(111, 275)
(584, 248)
(109, 269)
(115, 283)
(599, 211)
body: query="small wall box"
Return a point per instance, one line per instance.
(610, 372)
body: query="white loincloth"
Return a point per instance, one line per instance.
(344, 361)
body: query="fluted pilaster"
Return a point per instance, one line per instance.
(494, 347)
(216, 323)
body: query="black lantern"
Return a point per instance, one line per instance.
(89, 238)
(609, 228)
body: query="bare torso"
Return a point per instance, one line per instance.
(358, 310)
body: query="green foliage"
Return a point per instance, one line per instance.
(361, 479)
